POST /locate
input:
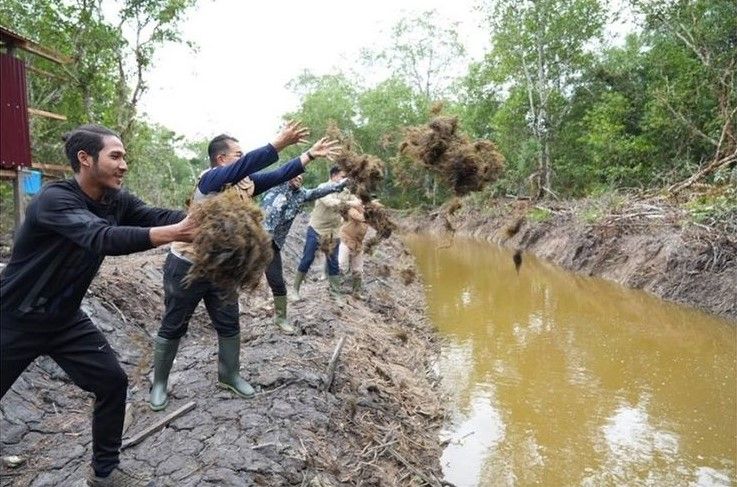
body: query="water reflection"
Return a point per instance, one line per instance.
(560, 379)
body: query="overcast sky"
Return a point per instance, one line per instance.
(249, 51)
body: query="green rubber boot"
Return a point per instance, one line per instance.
(298, 278)
(357, 286)
(335, 292)
(280, 315)
(164, 352)
(229, 364)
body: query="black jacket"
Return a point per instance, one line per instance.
(60, 246)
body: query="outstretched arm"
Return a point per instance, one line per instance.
(292, 133)
(216, 178)
(295, 167)
(325, 189)
(179, 232)
(68, 216)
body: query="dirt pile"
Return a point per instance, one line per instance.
(231, 248)
(377, 425)
(465, 165)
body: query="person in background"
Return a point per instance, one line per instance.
(281, 205)
(350, 251)
(325, 222)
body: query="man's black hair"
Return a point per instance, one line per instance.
(334, 170)
(88, 138)
(219, 145)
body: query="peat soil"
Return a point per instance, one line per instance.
(376, 425)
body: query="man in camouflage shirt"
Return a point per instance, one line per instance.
(281, 205)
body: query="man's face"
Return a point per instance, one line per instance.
(110, 167)
(337, 176)
(233, 153)
(296, 182)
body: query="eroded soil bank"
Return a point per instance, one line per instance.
(377, 425)
(646, 245)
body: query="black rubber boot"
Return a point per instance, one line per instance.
(164, 352)
(229, 364)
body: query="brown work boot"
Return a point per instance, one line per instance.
(117, 478)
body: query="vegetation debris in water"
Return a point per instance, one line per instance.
(517, 259)
(231, 248)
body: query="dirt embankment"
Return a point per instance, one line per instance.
(377, 425)
(638, 244)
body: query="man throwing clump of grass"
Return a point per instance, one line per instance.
(229, 169)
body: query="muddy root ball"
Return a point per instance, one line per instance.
(327, 243)
(465, 165)
(408, 276)
(231, 248)
(365, 171)
(378, 218)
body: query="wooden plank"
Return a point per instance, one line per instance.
(19, 202)
(38, 50)
(139, 437)
(43, 113)
(34, 69)
(333, 364)
(51, 168)
(8, 174)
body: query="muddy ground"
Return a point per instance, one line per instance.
(642, 244)
(377, 425)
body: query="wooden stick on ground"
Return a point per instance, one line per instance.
(139, 437)
(333, 364)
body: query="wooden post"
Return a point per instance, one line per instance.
(19, 199)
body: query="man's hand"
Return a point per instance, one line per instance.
(322, 148)
(184, 231)
(187, 230)
(292, 133)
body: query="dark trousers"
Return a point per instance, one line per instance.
(275, 273)
(180, 302)
(82, 351)
(312, 243)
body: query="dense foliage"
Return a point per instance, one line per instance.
(573, 112)
(104, 82)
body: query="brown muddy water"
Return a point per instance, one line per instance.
(558, 379)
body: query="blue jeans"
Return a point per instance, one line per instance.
(312, 243)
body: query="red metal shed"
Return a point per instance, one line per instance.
(15, 140)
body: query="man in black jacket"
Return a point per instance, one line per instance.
(69, 229)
